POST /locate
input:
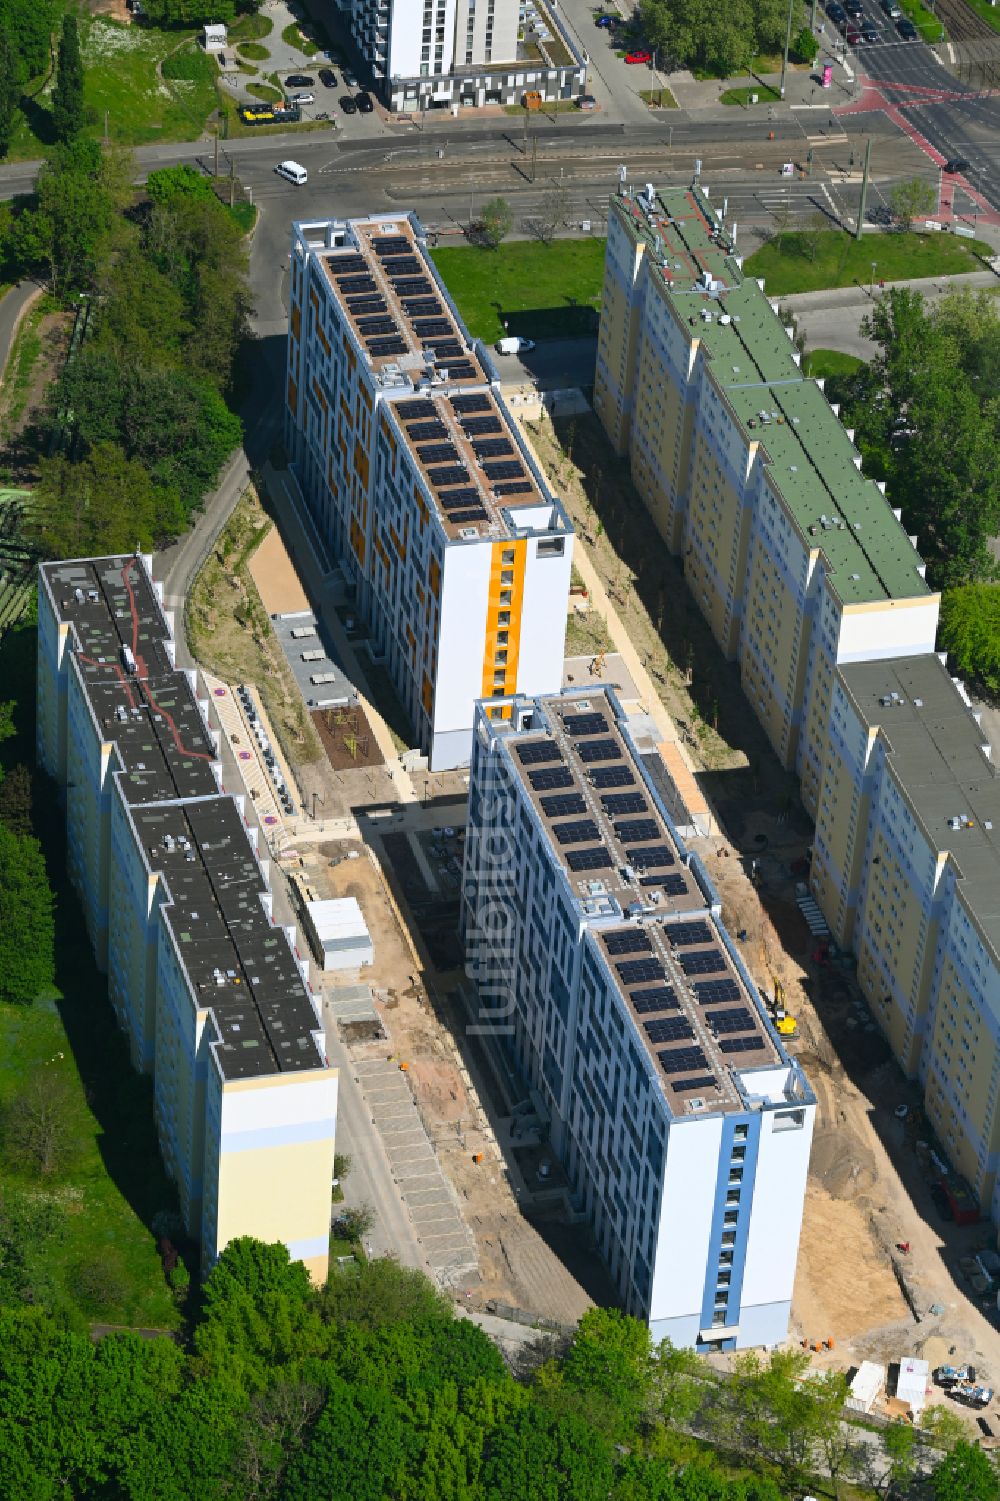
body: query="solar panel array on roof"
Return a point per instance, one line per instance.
(548, 778)
(578, 831)
(646, 857)
(406, 286)
(453, 475)
(422, 307)
(460, 370)
(612, 776)
(669, 1029)
(359, 305)
(473, 403)
(595, 859)
(403, 265)
(378, 348)
(355, 284)
(420, 432)
(411, 411)
(585, 724)
(503, 469)
(377, 325)
(741, 1044)
(562, 804)
(631, 941)
(474, 513)
(702, 961)
(709, 992)
(636, 971)
(389, 244)
(423, 327)
(492, 448)
(681, 933)
(682, 1060)
(528, 752)
(444, 349)
(656, 998)
(437, 453)
(348, 265)
(513, 487)
(624, 802)
(474, 426)
(454, 500)
(600, 750)
(739, 1019)
(636, 829)
(673, 885)
(704, 1081)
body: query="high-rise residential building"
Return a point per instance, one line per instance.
(434, 54)
(796, 560)
(208, 988)
(610, 986)
(416, 478)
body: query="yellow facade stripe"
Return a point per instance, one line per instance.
(504, 598)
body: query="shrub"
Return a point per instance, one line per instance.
(190, 66)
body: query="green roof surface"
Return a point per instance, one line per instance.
(813, 463)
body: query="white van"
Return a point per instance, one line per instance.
(292, 172)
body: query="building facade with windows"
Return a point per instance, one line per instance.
(606, 978)
(208, 989)
(434, 54)
(795, 559)
(416, 478)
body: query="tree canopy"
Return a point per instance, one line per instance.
(27, 930)
(717, 39)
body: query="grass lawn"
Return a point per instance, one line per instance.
(543, 291)
(744, 96)
(841, 261)
(984, 9)
(121, 79)
(265, 91)
(250, 28)
(293, 37)
(658, 98)
(253, 50)
(113, 1183)
(824, 363)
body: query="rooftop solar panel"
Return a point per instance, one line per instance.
(460, 369)
(455, 474)
(473, 426)
(437, 453)
(612, 776)
(578, 831)
(585, 724)
(421, 307)
(424, 326)
(563, 804)
(472, 403)
(624, 802)
(503, 469)
(548, 778)
(365, 283)
(529, 752)
(668, 1029)
(633, 831)
(377, 325)
(443, 349)
(600, 750)
(738, 1019)
(682, 1060)
(649, 857)
(629, 941)
(474, 513)
(702, 961)
(712, 992)
(359, 305)
(741, 1044)
(454, 500)
(348, 265)
(673, 885)
(402, 265)
(656, 998)
(378, 348)
(410, 411)
(492, 448)
(593, 859)
(390, 244)
(513, 487)
(687, 1086)
(680, 933)
(412, 286)
(420, 432)
(635, 971)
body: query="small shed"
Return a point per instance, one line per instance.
(215, 38)
(911, 1385)
(339, 934)
(869, 1379)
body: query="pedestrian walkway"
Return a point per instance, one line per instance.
(256, 782)
(429, 1197)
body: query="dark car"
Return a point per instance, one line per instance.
(299, 81)
(869, 31)
(854, 9)
(328, 78)
(607, 21)
(957, 164)
(941, 1202)
(906, 29)
(364, 102)
(852, 33)
(836, 12)
(348, 105)
(586, 101)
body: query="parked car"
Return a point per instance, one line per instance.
(892, 9)
(906, 29)
(836, 12)
(586, 101)
(607, 22)
(303, 98)
(941, 1202)
(292, 172)
(365, 102)
(869, 32)
(348, 105)
(299, 81)
(639, 57)
(328, 78)
(514, 344)
(350, 82)
(956, 164)
(854, 9)
(852, 33)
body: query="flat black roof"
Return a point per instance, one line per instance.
(239, 963)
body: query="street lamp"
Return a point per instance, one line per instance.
(874, 265)
(788, 43)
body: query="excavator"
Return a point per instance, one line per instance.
(785, 1025)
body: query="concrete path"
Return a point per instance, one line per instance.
(12, 309)
(832, 319)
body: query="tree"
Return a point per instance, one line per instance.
(610, 1360)
(103, 503)
(67, 96)
(37, 1126)
(680, 1382)
(538, 1456)
(911, 199)
(16, 796)
(169, 183)
(970, 632)
(805, 45)
(27, 929)
(900, 1445)
(69, 228)
(967, 1474)
(381, 1292)
(942, 1426)
(9, 93)
(495, 222)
